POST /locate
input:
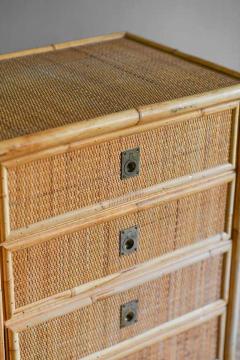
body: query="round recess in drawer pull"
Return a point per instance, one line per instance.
(128, 313)
(128, 240)
(130, 163)
(129, 244)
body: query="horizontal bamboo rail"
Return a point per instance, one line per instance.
(177, 53)
(97, 290)
(66, 134)
(64, 45)
(115, 125)
(73, 221)
(96, 131)
(162, 332)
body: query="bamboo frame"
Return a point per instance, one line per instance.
(47, 139)
(234, 301)
(116, 134)
(2, 340)
(63, 45)
(226, 275)
(185, 56)
(14, 351)
(27, 148)
(73, 221)
(222, 335)
(128, 122)
(2, 264)
(160, 333)
(5, 204)
(235, 129)
(8, 283)
(59, 300)
(94, 291)
(104, 129)
(230, 207)
(90, 293)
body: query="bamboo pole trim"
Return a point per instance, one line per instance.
(64, 224)
(64, 45)
(234, 295)
(12, 149)
(189, 57)
(169, 258)
(62, 139)
(188, 104)
(67, 134)
(161, 332)
(98, 290)
(134, 124)
(191, 161)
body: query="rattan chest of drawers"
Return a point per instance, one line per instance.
(119, 203)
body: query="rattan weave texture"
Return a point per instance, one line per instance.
(65, 182)
(97, 326)
(199, 343)
(92, 253)
(52, 89)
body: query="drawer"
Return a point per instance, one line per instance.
(91, 253)
(43, 188)
(113, 319)
(198, 343)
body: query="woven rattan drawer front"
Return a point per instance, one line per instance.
(97, 326)
(198, 343)
(91, 253)
(65, 182)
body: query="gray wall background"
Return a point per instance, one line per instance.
(206, 28)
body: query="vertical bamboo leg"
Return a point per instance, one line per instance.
(222, 321)
(14, 353)
(233, 306)
(2, 341)
(6, 303)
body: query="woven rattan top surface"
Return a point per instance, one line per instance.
(56, 88)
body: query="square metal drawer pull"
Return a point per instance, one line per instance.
(130, 163)
(128, 313)
(128, 240)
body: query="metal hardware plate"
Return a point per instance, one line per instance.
(130, 163)
(128, 313)
(129, 240)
